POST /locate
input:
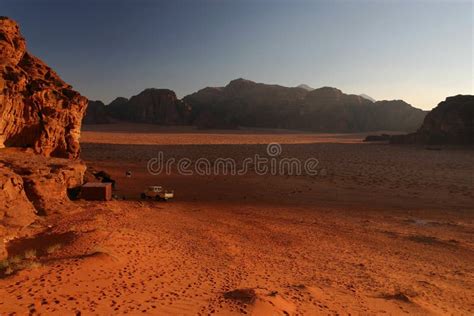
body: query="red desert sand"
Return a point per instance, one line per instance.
(384, 229)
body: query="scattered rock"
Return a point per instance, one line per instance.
(246, 296)
(397, 296)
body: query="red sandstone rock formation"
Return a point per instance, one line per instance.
(42, 114)
(37, 108)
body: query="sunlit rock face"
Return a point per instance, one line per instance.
(33, 186)
(37, 108)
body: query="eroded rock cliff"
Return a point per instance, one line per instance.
(37, 108)
(40, 119)
(158, 106)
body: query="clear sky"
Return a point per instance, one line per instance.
(418, 51)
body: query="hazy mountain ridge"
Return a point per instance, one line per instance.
(246, 103)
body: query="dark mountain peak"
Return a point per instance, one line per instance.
(211, 89)
(394, 104)
(96, 113)
(240, 82)
(118, 101)
(457, 100)
(152, 105)
(156, 91)
(96, 102)
(325, 94)
(327, 90)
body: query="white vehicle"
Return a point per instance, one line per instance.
(156, 192)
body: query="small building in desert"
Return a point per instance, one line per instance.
(96, 191)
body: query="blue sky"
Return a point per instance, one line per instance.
(418, 51)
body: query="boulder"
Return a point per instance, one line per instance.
(37, 108)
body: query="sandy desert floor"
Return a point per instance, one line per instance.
(384, 229)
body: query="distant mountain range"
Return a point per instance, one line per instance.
(246, 103)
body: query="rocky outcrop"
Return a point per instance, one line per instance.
(246, 103)
(45, 181)
(37, 108)
(16, 210)
(158, 106)
(32, 185)
(40, 119)
(96, 113)
(451, 122)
